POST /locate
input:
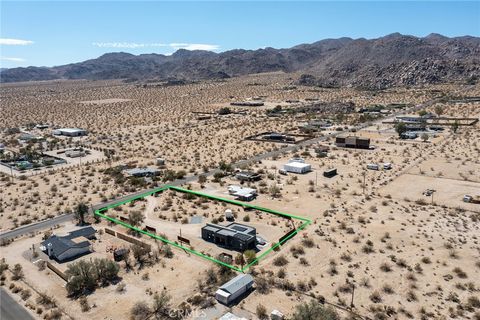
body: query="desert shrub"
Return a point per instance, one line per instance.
(280, 261)
(376, 297)
(263, 286)
(314, 310)
(250, 256)
(261, 312)
(17, 272)
(84, 306)
(140, 311)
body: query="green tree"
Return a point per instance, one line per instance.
(82, 278)
(455, 126)
(313, 310)
(421, 113)
(17, 272)
(139, 253)
(226, 167)
(106, 270)
(400, 128)
(135, 218)
(424, 137)
(80, 212)
(239, 259)
(274, 191)
(250, 256)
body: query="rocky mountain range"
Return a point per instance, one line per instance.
(393, 60)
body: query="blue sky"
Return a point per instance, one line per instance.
(53, 33)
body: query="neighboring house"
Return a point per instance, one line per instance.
(75, 153)
(74, 244)
(28, 137)
(234, 236)
(248, 176)
(234, 289)
(297, 166)
(352, 142)
(70, 132)
(243, 194)
(142, 172)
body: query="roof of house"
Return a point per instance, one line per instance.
(240, 191)
(298, 165)
(83, 232)
(237, 283)
(71, 130)
(247, 174)
(137, 171)
(60, 244)
(234, 229)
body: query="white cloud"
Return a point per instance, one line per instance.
(14, 42)
(130, 45)
(11, 59)
(195, 46)
(175, 46)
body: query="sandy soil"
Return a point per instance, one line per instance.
(415, 258)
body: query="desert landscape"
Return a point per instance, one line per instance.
(385, 241)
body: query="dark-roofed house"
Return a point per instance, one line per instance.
(234, 236)
(62, 248)
(352, 142)
(234, 289)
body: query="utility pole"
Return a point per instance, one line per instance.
(353, 294)
(352, 305)
(364, 174)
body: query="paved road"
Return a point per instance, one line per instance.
(61, 219)
(34, 227)
(11, 309)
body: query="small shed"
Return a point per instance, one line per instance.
(229, 215)
(330, 173)
(234, 289)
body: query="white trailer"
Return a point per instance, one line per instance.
(234, 289)
(372, 166)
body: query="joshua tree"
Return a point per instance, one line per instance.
(455, 126)
(80, 211)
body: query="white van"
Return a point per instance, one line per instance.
(387, 166)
